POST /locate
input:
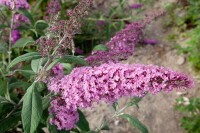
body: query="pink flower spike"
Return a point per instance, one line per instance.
(136, 6)
(109, 82)
(19, 4)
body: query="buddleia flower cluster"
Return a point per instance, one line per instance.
(136, 6)
(53, 9)
(19, 19)
(15, 36)
(18, 4)
(61, 32)
(108, 83)
(122, 45)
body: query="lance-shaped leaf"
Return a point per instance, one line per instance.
(100, 47)
(21, 43)
(25, 57)
(82, 123)
(3, 87)
(36, 64)
(134, 101)
(2, 26)
(135, 122)
(41, 25)
(31, 110)
(68, 59)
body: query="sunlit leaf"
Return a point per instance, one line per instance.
(31, 110)
(25, 57)
(82, 123)
(135, 122)
(21, 43)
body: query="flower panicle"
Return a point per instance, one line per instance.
(108, 83)
(53, 9)
(122, 45)
(18, 4)
(63, 31)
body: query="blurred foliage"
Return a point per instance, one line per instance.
(184, 14)
(184, 17)
(193, 48)
(191, 110)
(188, 21)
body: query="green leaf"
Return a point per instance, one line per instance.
(135, 122)
(108, 30)
(3, 87)
(3, 47)
(30, 72)
(21, 43)
(53, 64)
(82, 123)
(27, 14)
(3, 100)
(19, 84)
(100, 47)
(67, 67)
(25, 57)
(36, 64)
(105, 126)
(134, 101)
(115, 105)
(41, 86)
(73, 59)
(45, 102)
(35, 32)
(31, 110)
(10, 122)
(68, 59)
(36, 6)
(2, 26)
(41, 25)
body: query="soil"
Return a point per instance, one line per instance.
(157, 112)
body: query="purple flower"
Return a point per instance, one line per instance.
(108, 82)
(15, 36)
(126, 39)
(19, 4)
(66, 29)
(53, 8)
(136, 6)
(101, 22)
(121, 46)
(19, 19)
(66, 118)
(58, 71)
(150, 41)
(78, 51)
(46, 45)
